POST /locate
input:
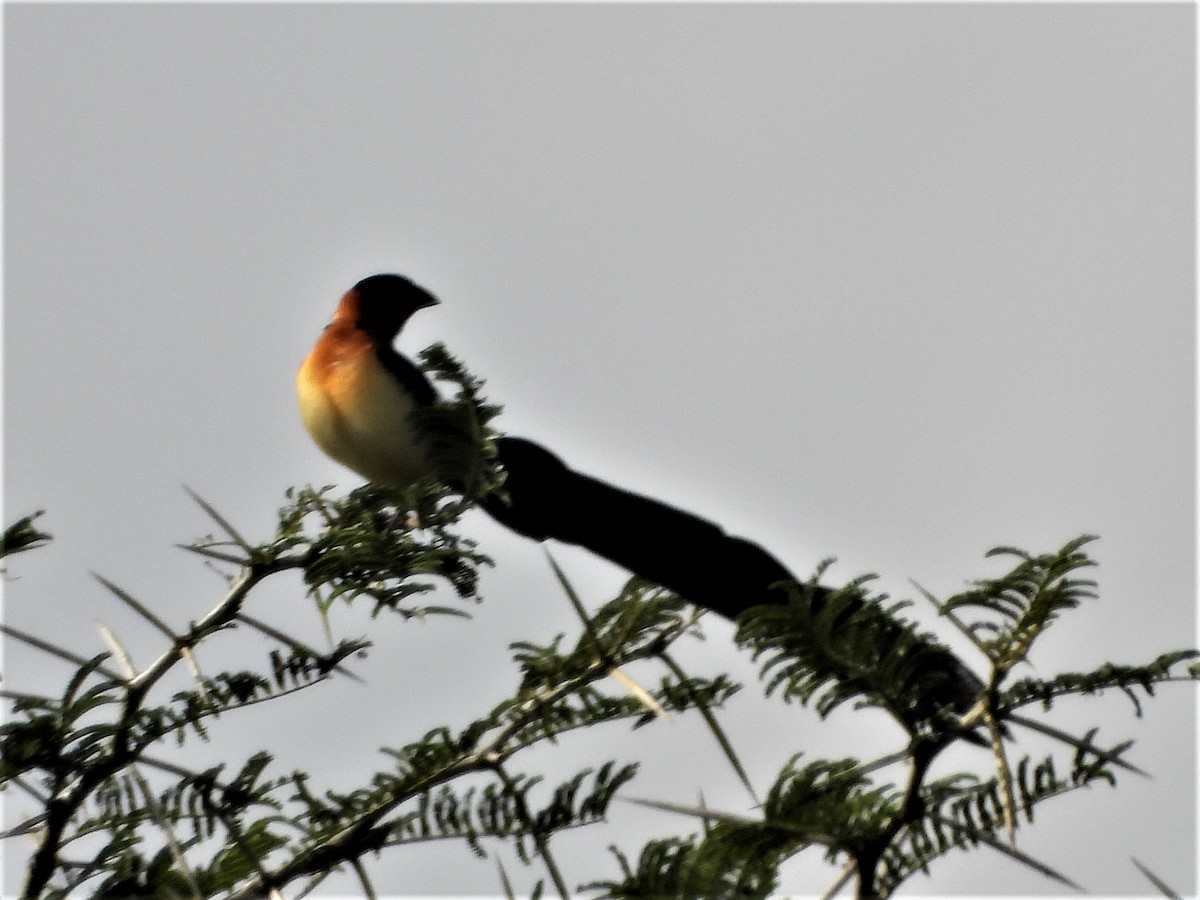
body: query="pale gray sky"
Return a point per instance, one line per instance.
(893, 284)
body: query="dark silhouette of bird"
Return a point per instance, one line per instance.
(357, 395)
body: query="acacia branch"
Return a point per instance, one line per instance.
(67, 798)
(368, 831)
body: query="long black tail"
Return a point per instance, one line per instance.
(684, 553)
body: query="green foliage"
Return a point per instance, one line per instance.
(728, 863)
(640, 616)
(21, 535)
(45, 731)
(1127, 679)
(506, 809)
(369, 547)
(91, 748)
(1024, 602)
(828, 804)
(963, 811)
(829, 647)
(456, 433)
(119, 818)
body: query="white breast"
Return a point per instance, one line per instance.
(359, 415)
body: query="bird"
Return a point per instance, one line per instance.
(358, 395)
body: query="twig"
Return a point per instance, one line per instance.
(713, 726)
(1004, 776)
(221, 521)
(29, 826)
(361, 872)
(343, 845)
(642, 695)
(867, 857)
(117, 648)
(842, 880)
(706, 814)
(577, 604)
(53, 650)
(990, 841)
(1155, 880)
(504, 882)
(699, 812)
(30, 789)
(292, 642)
(949, 614)
(1077, 742)
(138, 607)
(214, 554)
(67, 799)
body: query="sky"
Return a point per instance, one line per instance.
(892, 284)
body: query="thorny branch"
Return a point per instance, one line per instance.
(368, 832)
(1025, 602)
(71, 790)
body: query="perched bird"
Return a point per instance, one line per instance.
(357, 396)
(357, 393)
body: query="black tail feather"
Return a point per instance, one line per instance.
(684, 553)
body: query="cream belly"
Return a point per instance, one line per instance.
(359, 416)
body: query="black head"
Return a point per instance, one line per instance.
(386, 301)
